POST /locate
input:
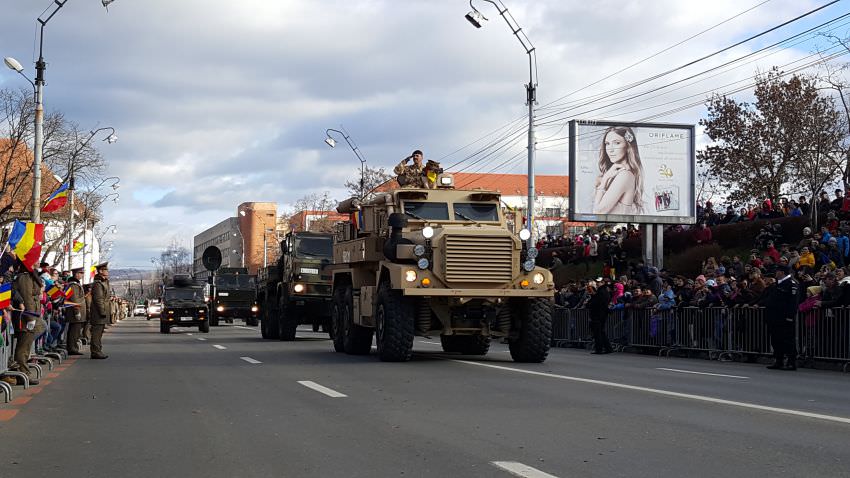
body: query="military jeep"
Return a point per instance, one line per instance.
(436, 262)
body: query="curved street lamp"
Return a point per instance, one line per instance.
(330, 142)
(40, 67)
(476, 18)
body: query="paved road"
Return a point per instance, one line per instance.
(229, 404)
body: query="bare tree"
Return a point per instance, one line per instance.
(372, 178)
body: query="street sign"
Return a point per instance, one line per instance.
(212, 258)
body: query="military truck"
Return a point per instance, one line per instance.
(437, 262)
(183, 304)
(234, 296)
(297, 290)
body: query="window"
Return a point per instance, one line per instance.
(476, 212)
(552, 212)
(438, 211)
(314, 246)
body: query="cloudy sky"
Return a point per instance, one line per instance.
(221, 102)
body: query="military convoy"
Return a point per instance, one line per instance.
(297, 289)
(437, 262)
(183, 304)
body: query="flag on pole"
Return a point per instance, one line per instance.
(57, 200)
(25, 240)
(5, 295)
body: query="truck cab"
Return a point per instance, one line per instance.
(183, 305)
(234, 295)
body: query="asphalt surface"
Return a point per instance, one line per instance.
(235, 405)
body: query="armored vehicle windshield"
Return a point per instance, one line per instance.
(313, 246)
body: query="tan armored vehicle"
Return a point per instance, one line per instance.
(437, 262)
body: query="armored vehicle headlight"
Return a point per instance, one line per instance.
(537, 278)
(410, 275)
(423, 263)
(525, 234)
(254, 308)
(428, 232)
(532, 253)
(528, 265)
(419, 250)
(298, 288)
(220, 308)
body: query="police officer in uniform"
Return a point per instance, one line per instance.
(101, 309)
(780, 304)
(75, 317)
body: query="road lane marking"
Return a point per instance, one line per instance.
(220, 347)
(518, 469)
(432, 343)
(701, 373)
(189, 335)
(701, 398)
(243, 327)
(202, 339)
(322, 389)
(250, 360)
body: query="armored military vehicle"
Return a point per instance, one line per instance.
(183, 304)
(234, 297)
(297, 290)
(437, 262)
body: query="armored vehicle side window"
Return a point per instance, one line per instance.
(438, 211)
(314, 247)
(476, 212)
(184, 294)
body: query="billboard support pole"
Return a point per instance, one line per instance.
(648, 242)
(659, 246)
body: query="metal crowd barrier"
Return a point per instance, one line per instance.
(5, 358)
(719, 333)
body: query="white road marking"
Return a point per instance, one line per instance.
(250, 360)
(518, 469)
(701, 373)
(220, 347)
(189, 335)
(243, 327)
(701, 398)
(432, 343)
(322, 389)
(202, 339)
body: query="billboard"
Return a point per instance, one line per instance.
(632, 172)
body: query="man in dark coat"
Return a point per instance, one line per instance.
(598, 307)
(75, 316)
(28, 323)
(780, 302)
(101, 310)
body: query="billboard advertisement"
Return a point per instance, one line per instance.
(632, 172)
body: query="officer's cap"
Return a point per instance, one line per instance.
(77, 270)
(104, 266)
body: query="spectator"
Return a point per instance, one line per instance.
(598, 306)
(703, 234)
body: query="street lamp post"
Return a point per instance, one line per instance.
(475, 18)
(40, 66)
(71, 164)
(330, 142)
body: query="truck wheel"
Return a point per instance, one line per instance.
(287, 321)
(356, 340)
(163, 328)
(534, 318)
(337, 318)
(466, 344)
(394, 325)
(268, 325)
(204, 327)
(316, 325)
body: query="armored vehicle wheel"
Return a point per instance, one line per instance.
(163, 328)
(356, 340)
(287, 321)
(337, 318)
(204, 327)
(394, 325)
(533, 317)
(268, 324)
(316, 326)
(466, 344)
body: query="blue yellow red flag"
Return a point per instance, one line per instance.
(25, 241)
(57, 200)
(5, 295)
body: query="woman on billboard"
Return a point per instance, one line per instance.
(619, 186)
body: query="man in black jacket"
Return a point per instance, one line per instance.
(598, 306)
(780, 302)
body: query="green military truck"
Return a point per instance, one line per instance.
(234, 296)
(297, 290)
(437, 262)
(183, 304)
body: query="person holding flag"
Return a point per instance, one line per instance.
(75, 315)
(28, 323)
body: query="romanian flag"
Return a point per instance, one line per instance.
(77, 246)
(54, 292)
(92, 271)
(25, 240)
(68, 291)
(5, 295)
(57, 199)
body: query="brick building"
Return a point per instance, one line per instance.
(259, 226)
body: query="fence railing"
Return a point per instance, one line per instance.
(720, 333)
